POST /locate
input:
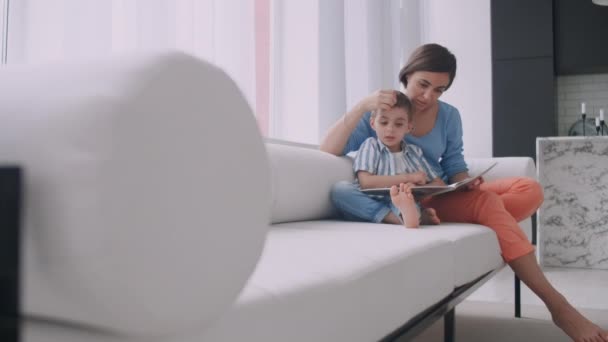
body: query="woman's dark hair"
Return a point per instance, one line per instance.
(429, 57)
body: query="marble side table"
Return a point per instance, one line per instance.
(573, 220)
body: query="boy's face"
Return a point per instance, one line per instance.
(391, 126)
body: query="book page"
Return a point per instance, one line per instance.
(422, 191)
(471, 179)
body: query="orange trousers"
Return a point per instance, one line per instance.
(500, 205)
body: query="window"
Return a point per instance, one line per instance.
(328, 54)
(227, 33)
(300, 64)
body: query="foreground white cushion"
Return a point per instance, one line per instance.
(337, 281)
(145, 211)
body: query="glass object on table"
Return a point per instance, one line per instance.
(577, 128)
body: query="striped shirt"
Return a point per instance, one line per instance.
(374, 157)
(442, 146)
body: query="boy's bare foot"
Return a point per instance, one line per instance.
(575, 325)
(403, 199)
(429, 216)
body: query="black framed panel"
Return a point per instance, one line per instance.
(521, 28)
(581, 28)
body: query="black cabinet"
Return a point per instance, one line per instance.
(581, 37)
(523, 81)
(523, 105)
(522, 29)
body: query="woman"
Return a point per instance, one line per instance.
(499, 205)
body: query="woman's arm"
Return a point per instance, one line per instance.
(458, 177)
(369, 180)
(436, 181)
(338, 134)
(452, 160)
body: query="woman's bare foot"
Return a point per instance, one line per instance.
(575, 325)
(429, 216)
(403, 199)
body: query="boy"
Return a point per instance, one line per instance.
(387, 161)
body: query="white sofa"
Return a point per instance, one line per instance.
(142, 221)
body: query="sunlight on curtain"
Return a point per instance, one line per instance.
(219, 31)
(329, 54)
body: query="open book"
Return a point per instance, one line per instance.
(421, 191)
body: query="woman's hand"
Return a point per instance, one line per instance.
(474, 185)
(464, 175)
(383, 99)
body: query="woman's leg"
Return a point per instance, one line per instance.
(355, 205)
(487, 208)
(565, 316)
(521, 196)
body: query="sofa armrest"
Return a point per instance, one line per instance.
(506, 167)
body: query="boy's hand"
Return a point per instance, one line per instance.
(418, 178)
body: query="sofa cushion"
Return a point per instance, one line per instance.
(475, 249)
(135, 199)
(301, 181)
(338, 281)
(302, 177)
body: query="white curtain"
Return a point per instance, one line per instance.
(324, 54)
(220, 31)
(331, 53)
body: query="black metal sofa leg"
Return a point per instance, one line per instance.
(517, 297)
(10, 208)
(449, 326)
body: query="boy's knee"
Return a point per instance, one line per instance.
(340, 189)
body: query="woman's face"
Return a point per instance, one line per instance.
(425, 87)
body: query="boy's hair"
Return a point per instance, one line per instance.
(403, 102)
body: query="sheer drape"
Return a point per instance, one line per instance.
(319, 59)
(347, 49)
(220, 31)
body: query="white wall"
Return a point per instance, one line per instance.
(463, 26)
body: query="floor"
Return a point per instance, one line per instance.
(486, 321)
(487, 314)
(584, 288)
